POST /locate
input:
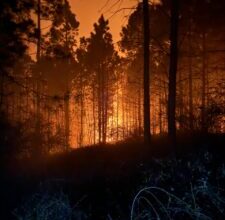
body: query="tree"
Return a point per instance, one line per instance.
(132, 44)
(38, 147)
(102, 59)
(60, 43)
(81, 84)
(146, 72)
(16, 29)
(16, 32)
(198, 48)
(173, 71)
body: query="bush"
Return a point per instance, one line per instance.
(48, 206)
(181, 189)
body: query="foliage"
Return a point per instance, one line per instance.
(48, 206)
(10, 136)
(183, 188)
(96, 78)
(60, 40)
(16, 29)
(162, 204)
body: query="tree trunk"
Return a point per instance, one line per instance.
(1, 91)
(67, 99)
(99, 108)
(93, 114)
(173, 72)
(67, 119)
(139, 111)
(181, 101)
(37, 149)
(117, 108)
(146, 72)
(190, 77)
(105, 105)
(81, 112)
(203, 93)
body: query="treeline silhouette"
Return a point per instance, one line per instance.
(74, 93)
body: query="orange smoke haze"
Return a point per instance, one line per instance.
(88, 12)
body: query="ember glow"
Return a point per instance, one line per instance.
(89, 90)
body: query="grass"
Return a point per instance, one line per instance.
(158, 203)
(120, 182)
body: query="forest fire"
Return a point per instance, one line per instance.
(96, 96)
(123, 119)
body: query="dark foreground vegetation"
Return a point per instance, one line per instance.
(122, 181)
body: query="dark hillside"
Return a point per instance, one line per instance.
(106, 178)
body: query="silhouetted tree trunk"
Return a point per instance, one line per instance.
(173, 71)
(49, 127)
(1, 89)
(81, 112)
(139, 112)
(38, 78)
(67, 97)
(67, 118)
(203, 93)
(105, 107)
(117, 108)
(99, 107)
(190, 75)
(93, 113)
(181, 101)
(160, 114)
(123, 115)
(146, 72)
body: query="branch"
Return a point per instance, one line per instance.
(119, 10)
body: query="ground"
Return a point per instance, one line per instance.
(101, 182)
